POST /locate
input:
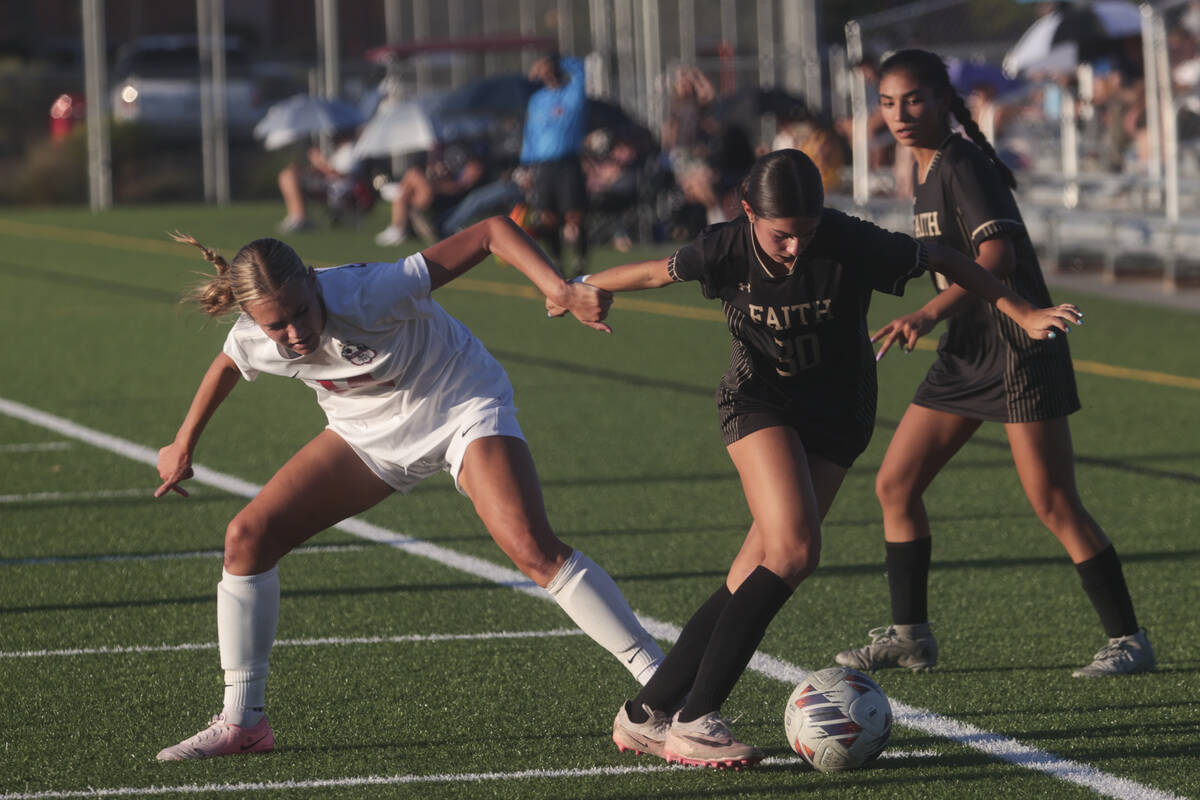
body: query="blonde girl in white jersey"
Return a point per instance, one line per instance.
(407, 391)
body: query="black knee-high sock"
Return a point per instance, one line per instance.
(908, 580)
(674, 676)
(734, 640)
(1104, 582)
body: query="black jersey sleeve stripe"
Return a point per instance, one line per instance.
(992, 227)
(672, 272)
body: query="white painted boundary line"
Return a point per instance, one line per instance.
(54, 497)
(33, 447)
(300, 551)
(411, 638)
(341, 783)
(992, 744)
(401, 780)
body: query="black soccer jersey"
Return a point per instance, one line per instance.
(801, 340)
(988, 367)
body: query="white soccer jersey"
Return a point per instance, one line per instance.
(393, 368)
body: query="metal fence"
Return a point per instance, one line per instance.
(1066, 165)
(630, 47)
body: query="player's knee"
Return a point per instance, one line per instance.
(798, 559)
(1056, 509)
(245, 542)
(538, 559)
(893, 489)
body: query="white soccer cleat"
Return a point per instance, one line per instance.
(911, 646)
(1124, 655)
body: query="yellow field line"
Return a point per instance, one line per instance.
(114, 241)
(1145, 375)
(143, 245)
(1109, 371)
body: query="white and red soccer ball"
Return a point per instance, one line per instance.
(838, 719)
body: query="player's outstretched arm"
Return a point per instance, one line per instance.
(997, 256)
(624, 278)
(456, 254)
(1039, 323)
(175, 460)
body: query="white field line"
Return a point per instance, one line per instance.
(55, 497)
(403, 780)
(411, 638)
(300, 551)
(33, 447)
(993, 744)
(395, 780)
(339, 783)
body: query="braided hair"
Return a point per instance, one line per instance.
(260, 269)
(929, 70)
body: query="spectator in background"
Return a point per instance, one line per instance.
(989, 112)
(730, 157)
(805, 132)
(424, 196)
(1185, 79)
(686, 139)
(610, 166)
(1111, 102)
(683, 132)
(555, 123)
(331, 177)
(498, 197)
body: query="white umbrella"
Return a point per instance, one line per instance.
(303, 115)
(1054, 42)
(396, 129)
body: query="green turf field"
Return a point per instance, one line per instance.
(404, 669)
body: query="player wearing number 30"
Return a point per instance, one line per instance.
(797, 406)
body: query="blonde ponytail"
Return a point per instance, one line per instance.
(260, 269)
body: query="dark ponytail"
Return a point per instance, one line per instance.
(929, 70)
(784, 183)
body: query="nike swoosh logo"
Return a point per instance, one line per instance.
(256, 741)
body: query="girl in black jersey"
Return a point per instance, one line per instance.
(797, 406)
(986, 370)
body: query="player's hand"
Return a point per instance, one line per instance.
(174, 466)
(1047, 323)
(589, 304)
(906, 330)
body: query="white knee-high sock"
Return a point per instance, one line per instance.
(596, 605)
(247, 615)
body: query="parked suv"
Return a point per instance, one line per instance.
(156, 81)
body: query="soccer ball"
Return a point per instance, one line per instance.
(838, 719)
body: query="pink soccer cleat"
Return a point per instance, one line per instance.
(707, 742)
(222, 738)
(641, 737)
